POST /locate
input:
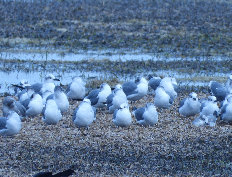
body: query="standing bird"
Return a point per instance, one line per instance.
(10, 125)
(51, 113)
(115, 99)
(34, 105)
(162, 98)
(146, 115)
(9, 104)
(98, 96)
(135, 90)
(190, 106)
(76, 89)
(84, 114)
(122, 116)
(60, 98)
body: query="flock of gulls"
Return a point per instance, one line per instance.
(52, 102)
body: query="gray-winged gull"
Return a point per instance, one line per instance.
(51, 113)
(84, 114)
(190, 106)
(209, 106)
(115, 99)
(146, 115)
(218, 90)
(60, 98)
(47, 85)
(135, 90)
(10, 125)
(10, 104)
(34, 105)
(154, 82)
(122, 116)
(226, 111)
(162, 99)
(76, 89)
(170, 86)
(202, 120)
(98, 96)
(26, 93)
(229, 84)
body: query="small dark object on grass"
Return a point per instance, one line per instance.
(65, 173)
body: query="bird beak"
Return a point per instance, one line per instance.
(56, 79)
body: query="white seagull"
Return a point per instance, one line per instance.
(76, 89)
(170, 86)
(98, 96)
(135, 90)
(190, 106)
(10, 125)
(84, 114)
(34, 105)
(162, 98)
(60, 98)
(226, 111)
(146, 115)
(10, 104)
(51, 113)
(115, 99)
(122, 116)
(209, 106)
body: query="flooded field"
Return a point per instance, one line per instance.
(110, 66)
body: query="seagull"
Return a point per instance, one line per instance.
(209, 106)
(190, 106)
(229, 84)
(170, 86)
(226, 111)
(206, 120)
(51, 113)
(60, 98)
(98, 96)
(10, 125)
(146, 115)
(34, 105)
(218, 90)
(162, 99)
(19, 87)
(26, 93)
(115, 99)
(154, 82)
(135, 90)
(76, 89)
(122, 116)
(84, 114)
(48, 85)
(10, 104)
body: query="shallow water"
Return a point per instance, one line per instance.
(61, 55)
(33, 72)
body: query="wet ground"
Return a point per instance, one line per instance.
(176, 28)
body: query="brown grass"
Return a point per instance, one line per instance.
(172, 147)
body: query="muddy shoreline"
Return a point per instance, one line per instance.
(177, 28)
